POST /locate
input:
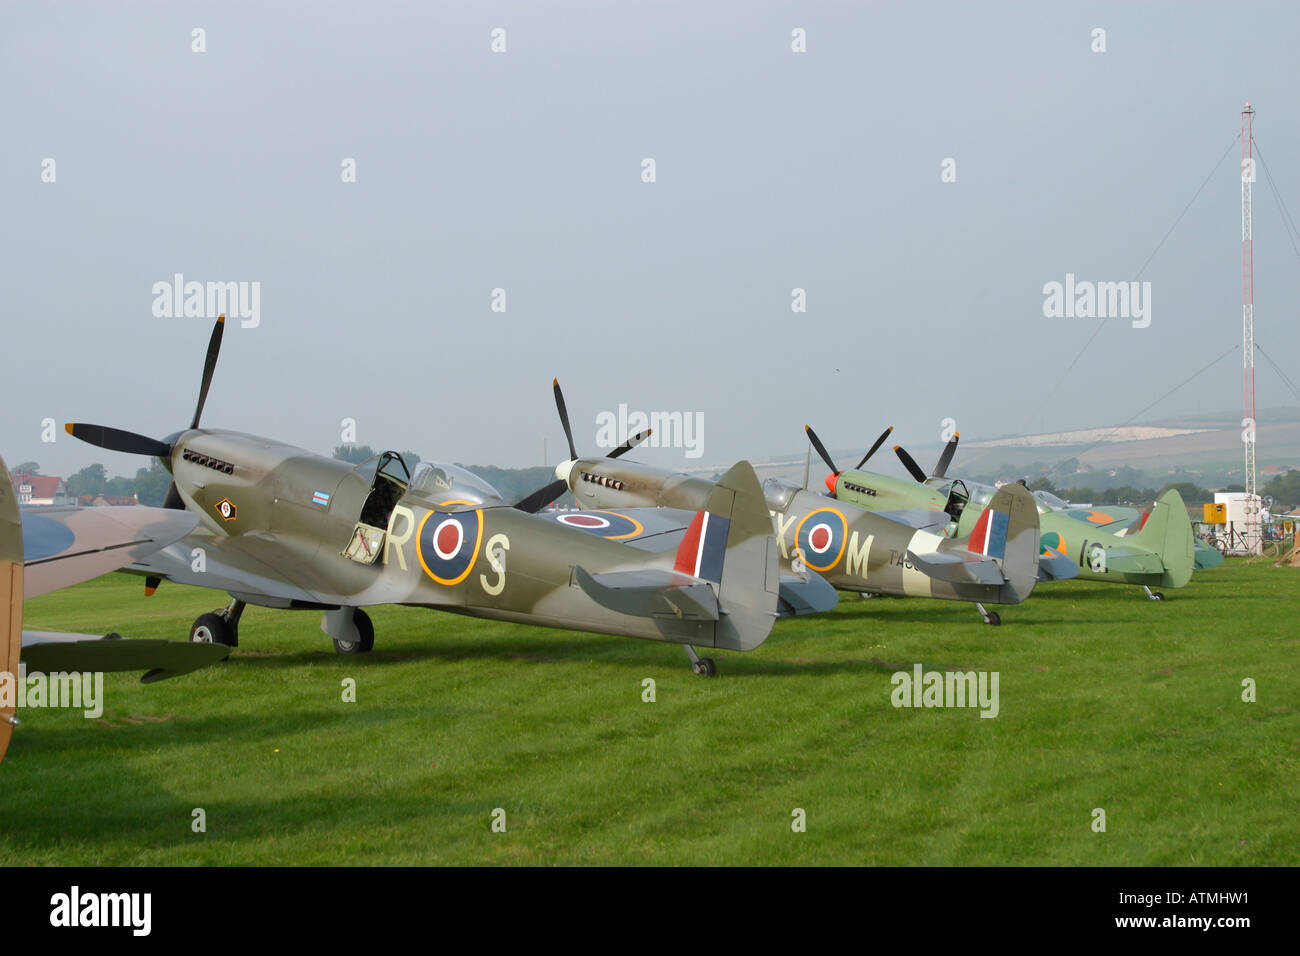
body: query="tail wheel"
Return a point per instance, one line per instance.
(365, 629)
(705, 667)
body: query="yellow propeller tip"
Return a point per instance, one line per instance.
(555, 381)
(221, 320)
(68, 428)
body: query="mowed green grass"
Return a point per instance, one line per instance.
(1107, 700)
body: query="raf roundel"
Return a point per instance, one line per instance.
(448, 544)
(604, 524)
(820, 536)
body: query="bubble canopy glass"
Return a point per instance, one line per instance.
(441, 483)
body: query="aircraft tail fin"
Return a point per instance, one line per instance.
(1168, 533)
(724, 573)
(11, 600)
(747, 576)
(1007, 531)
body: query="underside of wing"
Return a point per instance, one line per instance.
(258, 569)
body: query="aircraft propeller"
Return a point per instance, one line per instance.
(940, 468)
(116, 439)
(545, 495)
(830, 462)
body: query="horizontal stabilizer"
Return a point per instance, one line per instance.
(1056, 567)
(953, 567)
(650, 592)
(810, 596)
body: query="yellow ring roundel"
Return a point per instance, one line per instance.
(823, 545)
(449, 549)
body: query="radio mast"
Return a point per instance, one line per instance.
(1254, 538)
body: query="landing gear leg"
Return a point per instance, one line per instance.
(991, 618)
(703, 666)
(1153, 595)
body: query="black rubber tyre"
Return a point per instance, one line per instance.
(994, 619)
(367, 631)
(213, 629)
(705, 667)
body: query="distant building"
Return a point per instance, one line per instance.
(41, 490)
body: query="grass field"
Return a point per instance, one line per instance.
(1106, 700)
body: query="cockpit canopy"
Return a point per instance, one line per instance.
(444, 484)
(1052, 501)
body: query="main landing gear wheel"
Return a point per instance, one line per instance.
(991, 618)
(1153, 595)
(367, 631)
(705, 667)
(214, 629)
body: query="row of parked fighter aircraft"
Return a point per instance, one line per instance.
(652, 554)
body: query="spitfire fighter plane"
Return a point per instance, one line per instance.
(1159, 554)
(281, 527)
(855, 549)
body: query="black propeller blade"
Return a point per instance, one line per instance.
(821, 449)
(115, 439)
(631, 443)
(910, 464)
(564, 418)
(209, 365)
(542, 497)
(945, 458)
(874, 448)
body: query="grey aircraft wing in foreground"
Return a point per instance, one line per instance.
(42, 551)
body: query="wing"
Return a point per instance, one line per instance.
(65, 546)
(1116, 520)
(257, 568)
(49, 652)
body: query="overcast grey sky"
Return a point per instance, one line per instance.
(522, 170)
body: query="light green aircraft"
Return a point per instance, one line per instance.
(281, 527)
(1160, 554)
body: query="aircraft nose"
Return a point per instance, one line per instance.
(830, 482)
